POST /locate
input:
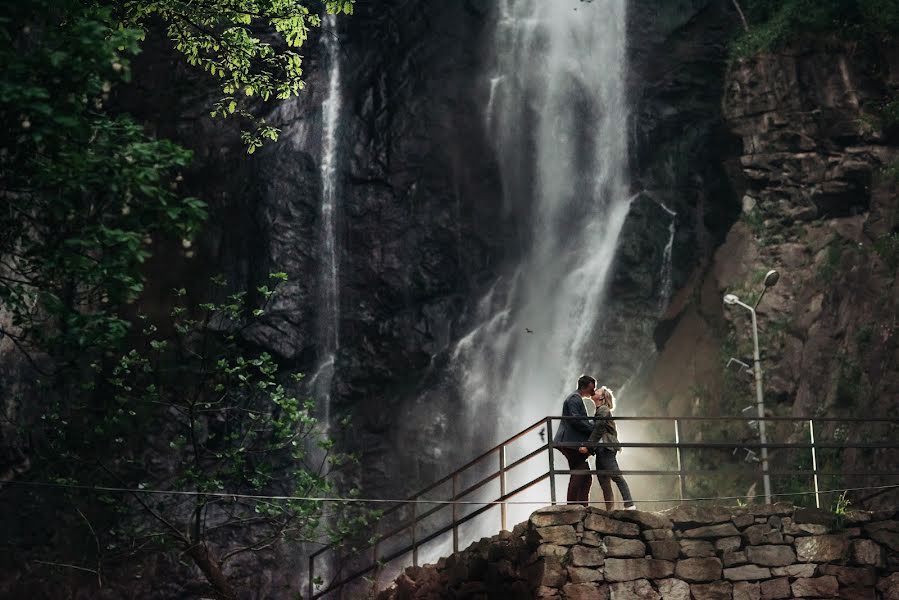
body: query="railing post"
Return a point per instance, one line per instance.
(455, 515)
(811, 435)
(552, 465)
(311, 574)
(682, 484)
(414, 540)
(502, 486)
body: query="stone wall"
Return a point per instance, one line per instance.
(689, 552)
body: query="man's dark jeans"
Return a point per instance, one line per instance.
(578, 485)
(606, 460)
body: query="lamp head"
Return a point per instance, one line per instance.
(771, 278)
(730, 299)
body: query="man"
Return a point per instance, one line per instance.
(574, 433)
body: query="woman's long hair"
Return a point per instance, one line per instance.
(609, 396)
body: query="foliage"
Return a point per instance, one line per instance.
(887, 247)
(84, 193)
(228, 39)
(775, 23)
(188, 409)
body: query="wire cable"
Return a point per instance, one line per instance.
(107, 489)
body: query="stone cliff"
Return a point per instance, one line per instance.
(699, 552)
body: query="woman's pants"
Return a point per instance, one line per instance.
(578, 485)
(606, 461)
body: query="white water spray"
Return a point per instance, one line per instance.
(558, 115)
(329, 301)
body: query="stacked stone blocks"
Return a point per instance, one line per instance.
(768, 552)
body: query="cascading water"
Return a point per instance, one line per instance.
(665, 294)
(329, 301)
(558, 114)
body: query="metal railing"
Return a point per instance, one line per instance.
(418, 528)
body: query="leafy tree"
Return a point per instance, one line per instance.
(774, 23)
(189, 409)
(227, 38)
(83, 192)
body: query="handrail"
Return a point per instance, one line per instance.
(411, 524)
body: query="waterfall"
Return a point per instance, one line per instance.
(665, 294)
(329, 300)
(558, 116)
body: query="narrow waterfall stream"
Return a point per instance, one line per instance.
(329, 300)
(558, 115)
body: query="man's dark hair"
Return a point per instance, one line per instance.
(584, 382)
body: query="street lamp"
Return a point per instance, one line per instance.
(771, 278)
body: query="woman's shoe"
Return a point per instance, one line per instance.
(631, 507)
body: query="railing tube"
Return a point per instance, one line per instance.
(311, 575)
(455, 515)
(502, 486)
(414, 541)
(811, 435)
(682, 484)
(552, 465)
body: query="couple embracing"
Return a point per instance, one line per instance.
(579, 437)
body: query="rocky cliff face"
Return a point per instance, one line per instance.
(818, 187)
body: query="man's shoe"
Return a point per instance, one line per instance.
(631, 507)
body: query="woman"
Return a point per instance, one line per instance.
(605, 431)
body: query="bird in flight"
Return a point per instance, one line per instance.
(529, 330)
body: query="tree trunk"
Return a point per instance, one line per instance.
(212, 570)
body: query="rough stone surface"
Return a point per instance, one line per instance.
(584, 591)
(624, 548)
(587, 556)
(728, 544)
(867, 552)
(697, 548)
(889, 586)
(674, 589)
(665, 549)
(584, 574)
(720, 590)
(640, 589)
(520, 566)
(747, 590)
(698, 569)
(806, 570)
(822, 548)
(747, 573)
(608, 526)
(561, 514)
(628, 569)
(816, 587)
(561, 535)
(771, 556)
(851, 576)
(773, 589)
(712, 531)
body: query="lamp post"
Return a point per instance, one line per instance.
(770, 279)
